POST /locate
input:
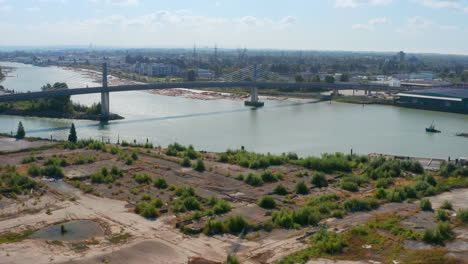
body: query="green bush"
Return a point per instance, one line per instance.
(232, 260)
(328, 242)
(146, 197)
(283, 218)
(15, 183)
(184, 191)
(79, 160)
(349, 186)
(280, 189)
(186, 203)
(441, 215)
(328, 163)
(383, 182)
(106, 176)
(267, 202)
(160, 183)
(191, 153)
(186, 162)
(425, 205)
(439, 235)
(252, 160)
(34, 170)
(253, 179)
(381, 194)
(268, 176)
(462, 214)
(29, 159)
(53, 171)
(235, 224)
(446, 205)
(319, 180)
(213, 227)
(360, 204)
(143, 178)
(199, 166)
(221, 207)
(301, 188)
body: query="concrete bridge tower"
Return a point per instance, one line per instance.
(104, 95)
(254, 92)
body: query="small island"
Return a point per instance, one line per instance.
(58, 107)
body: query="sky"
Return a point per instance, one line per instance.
(419, 26)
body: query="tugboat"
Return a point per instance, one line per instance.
(432, 129)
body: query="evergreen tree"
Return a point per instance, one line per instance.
(20, 133)
(72, 136)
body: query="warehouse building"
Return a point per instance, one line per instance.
(438, 99)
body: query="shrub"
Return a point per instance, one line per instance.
(327, 163)
(142, 178)
(439, 235)
(134, 155)
(349, 186)
(253, 179)
(305, 216)
(232, 260)
(283, 218)
(267, 202)
(199, 166)
(359, 204)
(160, 183)
(53, 171)
(462, 214)
(280, 189)
(191, 153)
(319, 180)
(328, 242)
(446, 205)
(184, 191)
(186, 203)
(221, 207)
(91, 159)
(380, 193)
(302, 173)
(15, 183)
(186, 162)
(268, 176)
(29, 159)
(79, 160)
(213, 227)
(115, 150)
(34, 170)
(146, 197)
(301, 188)
(441, 215)
(235, 224)
(383, 182)
(425, 205)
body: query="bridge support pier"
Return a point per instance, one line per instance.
(104, 95)
(254, 98)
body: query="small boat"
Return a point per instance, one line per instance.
(462, 134)
(432, 129)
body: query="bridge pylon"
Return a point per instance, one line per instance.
(104, 95)
(254, 92)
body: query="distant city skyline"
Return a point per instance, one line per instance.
(415, 26)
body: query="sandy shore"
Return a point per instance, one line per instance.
(181, 92)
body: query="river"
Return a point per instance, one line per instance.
(307, 128)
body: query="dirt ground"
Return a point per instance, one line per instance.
(158, 241)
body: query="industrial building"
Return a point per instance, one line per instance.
(438, 99)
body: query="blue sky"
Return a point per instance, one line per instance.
(358, 25)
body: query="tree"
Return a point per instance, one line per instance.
(72, 136)
(299, 78)
(316, 78)
(344, 77)
(329, 79)
(20, 133)
(191, 76)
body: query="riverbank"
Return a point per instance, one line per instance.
(56, 114)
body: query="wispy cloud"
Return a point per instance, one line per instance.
(359, 3)
(420, 24)
(371, 24)
(117, 2)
